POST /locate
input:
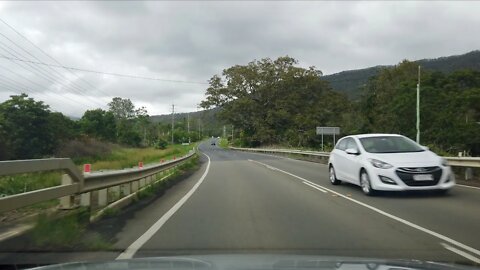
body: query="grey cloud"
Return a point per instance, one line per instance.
(195, 40)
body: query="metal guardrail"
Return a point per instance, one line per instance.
(470, 162)
(284, 151)
(76, 182)
(466, 162)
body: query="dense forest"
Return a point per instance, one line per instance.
(277, 102)
(351, 82)
(29, 129)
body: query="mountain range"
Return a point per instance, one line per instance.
(349, 82)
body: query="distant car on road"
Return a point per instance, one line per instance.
(388, 162)
(213, 143)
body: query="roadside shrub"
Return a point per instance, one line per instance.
(84, 148)
(161, 144)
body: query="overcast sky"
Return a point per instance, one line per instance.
(191, 41)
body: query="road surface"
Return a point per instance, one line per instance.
(256, 203)
(249, 203)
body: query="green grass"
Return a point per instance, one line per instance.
(129, 157)
(14, 184)
(119, 158)
(67, 231)
(223, 143)
(70, 231)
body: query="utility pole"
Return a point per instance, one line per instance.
(232, 133)
(224, 131)
(173, 120)
(188, 127)
(418, 107)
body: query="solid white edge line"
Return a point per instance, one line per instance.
(461, 253)
(408, 223)
(467, 186)
(308, 184)
(135, 246)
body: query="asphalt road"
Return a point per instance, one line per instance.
(256, 203)
(249, 203)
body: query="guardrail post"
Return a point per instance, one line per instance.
(125, 190)
(141, 183)
(149, 180)
(468, 173)
(68, 202)
(113, 193)
(134, 186)
(85, 199)
(102, 197)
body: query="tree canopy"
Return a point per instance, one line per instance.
(274, 101)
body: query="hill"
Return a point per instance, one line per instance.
(350, 82)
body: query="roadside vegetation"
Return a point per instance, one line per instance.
(223, 142)
(73, 231)
(276, 102)
(118, 158)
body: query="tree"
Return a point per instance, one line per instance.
(274, 101)
(122, 108)
(99, 124)
(25, 128)
(449, 106)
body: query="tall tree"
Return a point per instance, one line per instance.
(122, 108)
(99, 124)
(274, 101)
(25, 128)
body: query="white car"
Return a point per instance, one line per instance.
(388, 162)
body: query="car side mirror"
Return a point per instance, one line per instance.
(352, 151)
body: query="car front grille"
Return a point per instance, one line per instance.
(406, 175)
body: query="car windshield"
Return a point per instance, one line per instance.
(389, 144)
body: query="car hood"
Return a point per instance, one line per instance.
(411, 159)
(258, 261)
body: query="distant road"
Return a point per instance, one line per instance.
(251, 203)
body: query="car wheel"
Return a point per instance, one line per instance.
(365, 184)
(333, 177)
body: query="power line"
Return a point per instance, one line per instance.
(50, 77)
(41, 86)
(47, 77)
(103, 73)
(49, 56)
(34, 83)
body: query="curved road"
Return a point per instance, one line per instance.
(256, 203)
(241, 202)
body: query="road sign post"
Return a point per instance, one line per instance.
(328, 131)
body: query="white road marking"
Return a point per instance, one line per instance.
(467, 186)
(408, 223)
(305, 181)
(461, 253)
(315, 187)
(135, 246)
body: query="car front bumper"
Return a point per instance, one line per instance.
(446, 181)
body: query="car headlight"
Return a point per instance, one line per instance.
(444, 162)
(380, 164)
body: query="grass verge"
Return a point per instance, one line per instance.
(119, 158)
(73, 231)
(66, 232)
